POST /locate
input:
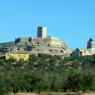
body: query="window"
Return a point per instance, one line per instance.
(38, 43)
(50, 50)
(61, 51)
(49, 45)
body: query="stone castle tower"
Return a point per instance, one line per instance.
(90, 44)
(42, 32)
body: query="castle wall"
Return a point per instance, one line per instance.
(45, 44)
(49, 45)
(48, 42)
(22, 40)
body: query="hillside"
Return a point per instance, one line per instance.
(11, 46)
(46, 73)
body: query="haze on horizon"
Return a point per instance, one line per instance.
(73, 21)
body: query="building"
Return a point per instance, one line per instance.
(45, 44)
(17, 56)
(42, 32)
(83, 52)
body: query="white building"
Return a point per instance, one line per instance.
(83, 52)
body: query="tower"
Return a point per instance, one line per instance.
(42, 32)
(90, 47)
(90, 44)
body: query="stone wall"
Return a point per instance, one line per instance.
(49, 45)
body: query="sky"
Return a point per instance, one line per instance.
(73, 21)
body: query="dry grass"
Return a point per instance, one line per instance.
(53, 93)
(91, 93)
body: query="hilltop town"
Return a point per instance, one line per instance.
(21, 48)
(46, 64)
(42, 44)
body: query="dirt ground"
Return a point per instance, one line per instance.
(61, 93)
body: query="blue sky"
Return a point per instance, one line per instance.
(71, 20)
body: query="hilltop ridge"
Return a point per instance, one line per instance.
(41, 44)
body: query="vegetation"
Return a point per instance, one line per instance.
(46, 73)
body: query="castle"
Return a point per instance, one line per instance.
(42, 44)
(83, 52)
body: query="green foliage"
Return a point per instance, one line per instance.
(33, 58)
(47, 73)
